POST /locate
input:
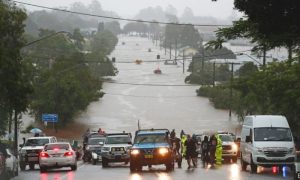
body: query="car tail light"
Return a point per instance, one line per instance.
(70, 153)
(44, 155)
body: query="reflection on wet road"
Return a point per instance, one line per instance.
(120, 172)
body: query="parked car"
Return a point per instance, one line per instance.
(267, 141)
(57, 155)
(297, 168)
(116, 148)
(3, 155)
(30, 150)
(12, 163)
(151, 147)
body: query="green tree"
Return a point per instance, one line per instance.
(113, 26)
(78, 38)
(15, 86)
(276, 21)
(65, 89)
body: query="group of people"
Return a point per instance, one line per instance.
(186, 147)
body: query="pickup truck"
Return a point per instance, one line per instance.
(30, 150)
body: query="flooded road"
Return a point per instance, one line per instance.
(156, 100)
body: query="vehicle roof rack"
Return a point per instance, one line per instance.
(116, 134)
(152, 129)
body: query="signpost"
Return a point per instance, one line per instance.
(52, 118)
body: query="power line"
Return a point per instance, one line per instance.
(154, 97)
(118, 18)
(142, 84)
(149, 61)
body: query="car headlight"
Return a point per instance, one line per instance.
(135, 152)
(292, 151)
(234, 147)
(105, 149)
(23, 151)
(259, 150)
(163, 151)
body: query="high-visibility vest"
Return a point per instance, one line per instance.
(219, 150)
(183, 146)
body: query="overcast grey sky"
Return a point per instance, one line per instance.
(128, 8)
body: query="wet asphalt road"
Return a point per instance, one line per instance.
(156, 107)
(118, 171)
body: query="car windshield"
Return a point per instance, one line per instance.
(150, 138)
(36, 142)
(56, 146)
(118, 140)
(96, 141)
(226, 138)
(272, 134)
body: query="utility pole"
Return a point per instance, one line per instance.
(231, 83)
(214, 74)
(183, 61)
(165, 46)
(170, 50)
(202, 68)
(175, 50)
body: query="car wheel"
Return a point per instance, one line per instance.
(170, 166)
(243, 164)
(234, 159)
(94, 162)
(126, 162)
(4, 176)
(104, 162)
(253, 166)
(22, 166)
(43, 169)
(74, 167)
(132, 167)
(31, 166)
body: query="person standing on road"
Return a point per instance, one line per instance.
(176, 149)
(219, 151)
(205, 151)
(183, 146)
(191, 153)
(212, 150)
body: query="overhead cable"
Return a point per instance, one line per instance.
(119, 18)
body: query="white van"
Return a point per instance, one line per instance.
(266, 141)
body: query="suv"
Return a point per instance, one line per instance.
(116, 148)
(93, 148)
(30, 150)
(151, 147)
(229, 147)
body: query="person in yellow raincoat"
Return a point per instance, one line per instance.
(219, 151)
(183, 146)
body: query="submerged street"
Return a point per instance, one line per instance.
(156, 101)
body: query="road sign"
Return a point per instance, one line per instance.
(50, 118)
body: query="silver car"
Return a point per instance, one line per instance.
(57, 155)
